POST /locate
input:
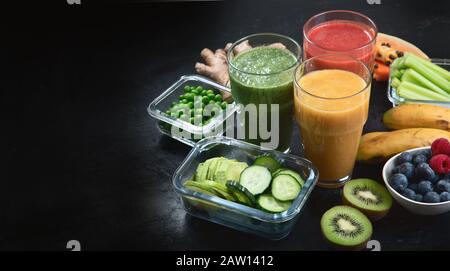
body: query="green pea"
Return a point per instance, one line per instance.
(174, 115)
(204, 104)
(219, 104)
(194, 91)
(187, 88)
(224, 105)
(185, 101)
(204, 92)
(218, 98)
(190, 104)
(210, 91)
(211, 96)
(205, 100)
(211, 102)
(199, 88)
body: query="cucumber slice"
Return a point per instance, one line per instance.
(292, 173)
(241, 193)
(198, 187)
(256, 179)
(267, 161)
(220, 190)
(285, 187)
(271, 204)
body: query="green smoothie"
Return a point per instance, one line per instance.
(264, 75)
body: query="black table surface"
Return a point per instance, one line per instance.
(85, 161)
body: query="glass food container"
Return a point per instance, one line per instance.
(397, 100)
(182, 130)
(234, 215)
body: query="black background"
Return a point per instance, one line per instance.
(85, 161)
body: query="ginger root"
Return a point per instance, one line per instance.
(216, 66)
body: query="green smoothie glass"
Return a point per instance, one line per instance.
(261, 68)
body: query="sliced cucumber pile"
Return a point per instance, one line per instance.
(265, 184)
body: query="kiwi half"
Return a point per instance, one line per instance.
(346, 227)
(368, 196)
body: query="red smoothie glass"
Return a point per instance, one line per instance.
(340, 31)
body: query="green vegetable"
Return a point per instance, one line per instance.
(218, 98)
(419, 79)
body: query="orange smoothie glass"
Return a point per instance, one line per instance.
(331, 108)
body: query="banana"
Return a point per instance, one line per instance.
(417, 116)
(380, 147)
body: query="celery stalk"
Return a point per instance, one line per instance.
(431, 75)
(414, 77)
(395, 82)
(407, 87)
(436, 68)
(410, 94)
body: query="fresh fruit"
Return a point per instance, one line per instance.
(269, 203)
(399, 182)
(440, 146)
(256, 179)
(419, 158)
(388, 48)
(440, 163)
(404, 157)
(414, 187)
(382, 147)
(424, 187)
(368, 196)
(444, 196)
(431, 197)
(380, 71)
(346, 227)
(424, 172)
(417, 116)
(419, 198)
(443, 185)
(406, 169)
(267, 161)
(395, 44)
(285, 187)
(410, 194)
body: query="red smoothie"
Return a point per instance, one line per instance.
(348, 37)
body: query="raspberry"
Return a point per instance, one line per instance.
(440, 163)
(440, 146)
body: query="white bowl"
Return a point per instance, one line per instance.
(420, 208)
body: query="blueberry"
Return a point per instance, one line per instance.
(406, 169)
(405, 157)
(445, 196)
(399, 182)
(426, 153)
(424, 172)
(414, 187)
(420, 158)
(424, 187)
(435, 179)
(410, 194)
(419, 198)
(431, 197)
(443, 185)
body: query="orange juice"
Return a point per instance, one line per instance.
(331, 107)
